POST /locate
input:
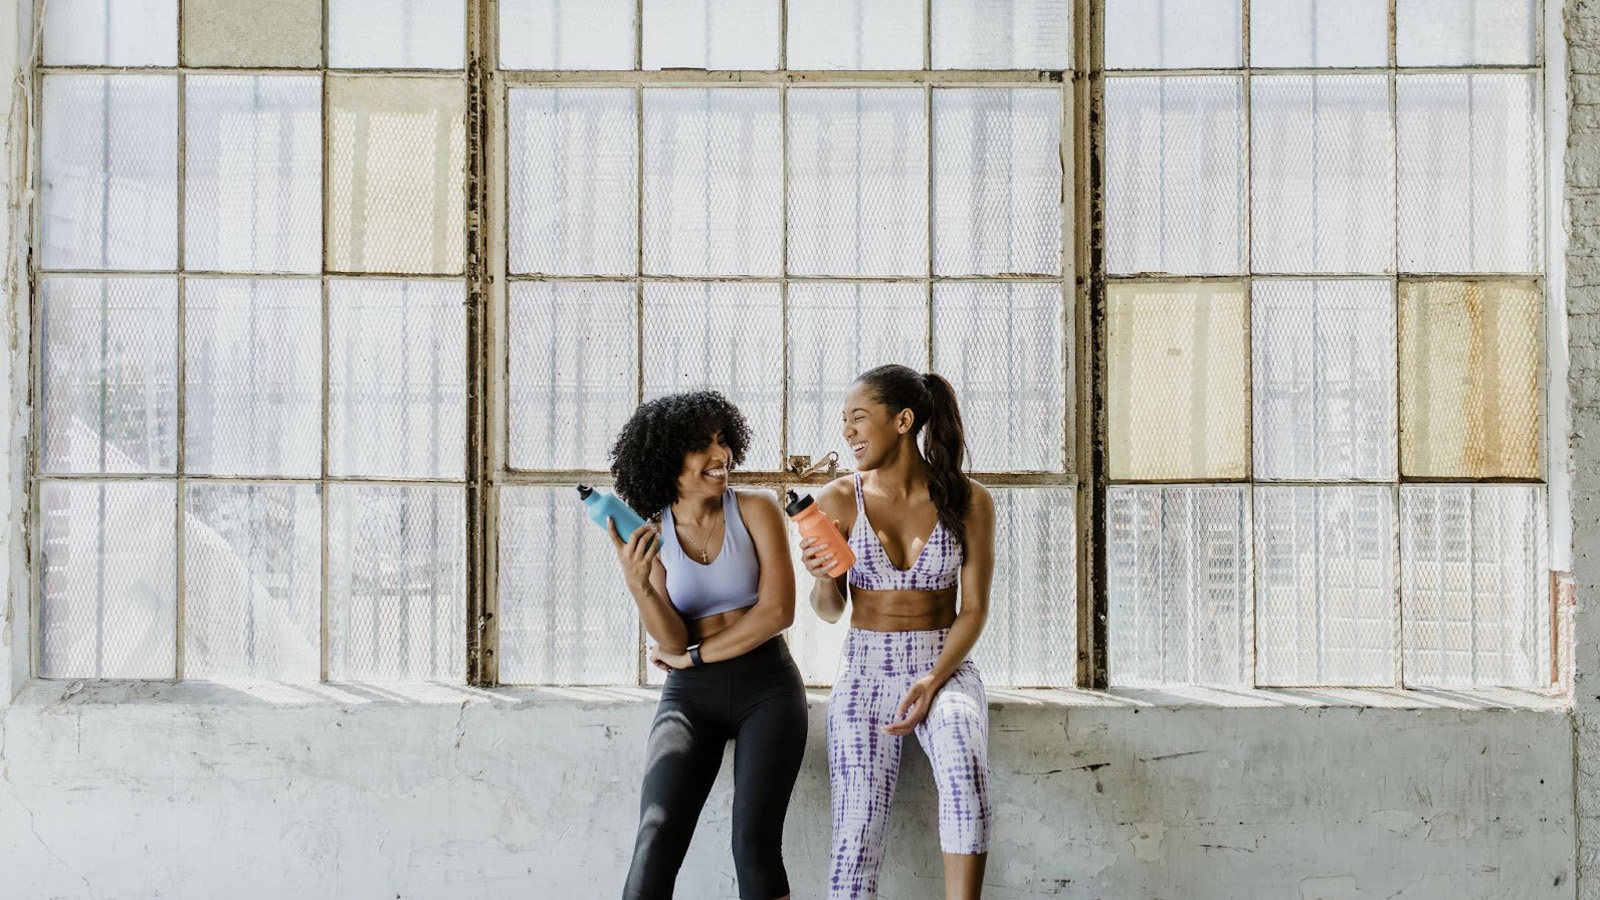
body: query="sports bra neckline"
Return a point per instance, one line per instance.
(921, 552)
(933, 569)
(671, 521)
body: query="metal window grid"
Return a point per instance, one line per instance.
(1082, 271)
(1098, 465)
(486, 276)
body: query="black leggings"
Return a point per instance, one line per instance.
(759, 702)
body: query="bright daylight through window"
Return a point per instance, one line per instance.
(337, 305)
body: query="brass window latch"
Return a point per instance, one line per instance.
(802, 466)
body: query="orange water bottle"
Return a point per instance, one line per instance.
(813, 524)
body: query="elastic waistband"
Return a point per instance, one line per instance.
(893, 652)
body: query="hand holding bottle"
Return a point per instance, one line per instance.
(637, 554)
(822, 546)
(818, 556)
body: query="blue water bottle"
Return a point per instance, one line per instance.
(601, 506)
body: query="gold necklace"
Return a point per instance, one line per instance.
(705, 558)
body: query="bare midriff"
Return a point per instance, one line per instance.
(902, 610)
(700, 629)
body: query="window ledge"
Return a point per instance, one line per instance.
(51, 693)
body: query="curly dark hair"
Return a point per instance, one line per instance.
(648, 455)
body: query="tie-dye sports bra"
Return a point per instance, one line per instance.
(937, 568)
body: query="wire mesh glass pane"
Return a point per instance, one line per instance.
(1175, 174)
(1173, 34)
(252, 571)
(1325, 586)
(713, 182)
(711, 34)
(1469, 379)
(721, 337)
(253, 370)
(396, 174)
(109, 170)
(1002, 348)
(110, 371)
(1324, 370)
(397, 34)
(1032, 629)
(1001, 34)
(266, 33)
(566, 34)
(836, 332)
(253, 173)
(103, 33)
(573, 187)
(1322, 188)
(565, 614)
(574, 372)
(396, 378)
(858, 182)
(996, 181)
(1470, 163)
(1178, 585)
(397, 583)
(855, 34)
(1466, 32)
(1475, 583)
(1178, 381)
(1307, 33)
(108, 580)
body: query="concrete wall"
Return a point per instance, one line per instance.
(1582, 203)
(196, 791)
(200, 791)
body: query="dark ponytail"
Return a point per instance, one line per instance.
(933, 406)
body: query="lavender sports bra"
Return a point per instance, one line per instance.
(937, 568)
(730, 581)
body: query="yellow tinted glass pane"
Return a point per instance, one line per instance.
(273, 33)
(1178, 381)
(1469, 379)
(396, 183)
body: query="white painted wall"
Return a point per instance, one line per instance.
(196, 791)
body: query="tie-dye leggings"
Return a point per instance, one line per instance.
(864, 762)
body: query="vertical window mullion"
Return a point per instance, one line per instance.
(181, 437)
(641, 674)
(1091, 419)
(1399, 637)
(481, 629)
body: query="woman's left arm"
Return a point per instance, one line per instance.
(774, 609)
(977, 572)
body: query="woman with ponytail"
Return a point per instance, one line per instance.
(922, 534)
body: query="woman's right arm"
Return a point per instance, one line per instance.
(829, 595)
(646, 578)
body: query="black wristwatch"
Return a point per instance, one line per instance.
(694, 656)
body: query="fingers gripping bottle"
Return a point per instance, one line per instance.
(601, 506)
(813, 524)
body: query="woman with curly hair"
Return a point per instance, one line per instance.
(714, 585)
(921, 530)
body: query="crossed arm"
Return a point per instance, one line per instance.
(772, 613)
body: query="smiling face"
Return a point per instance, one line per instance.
(871, 429)
(705, 471)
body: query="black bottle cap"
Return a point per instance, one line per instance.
(584, 491)
(798, 504)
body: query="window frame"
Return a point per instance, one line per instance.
(1083, 279)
